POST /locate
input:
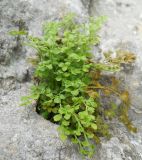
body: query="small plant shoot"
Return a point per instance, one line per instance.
(69, 86)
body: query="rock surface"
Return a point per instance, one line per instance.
(123, 31)
(26, 136)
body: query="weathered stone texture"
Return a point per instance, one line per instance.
(24, 135)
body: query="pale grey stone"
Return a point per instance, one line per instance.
(24, 135)
(118, 33)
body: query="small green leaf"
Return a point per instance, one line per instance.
(62, 96)
(83, 114)
(83, 151)
(91, 109)
(50, 66)
(49, 109)
(57, 117)
(55, 110)
(62, 110)
(64, 68)
(94, 126)
(63, 137)
(58, 78)
(67, 116)
(65, 123)
(85, 143)
(75, 93)
(76, 107)
(90, 135)
(57, 100)
(77, 132)
(74, 141)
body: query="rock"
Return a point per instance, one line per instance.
(116, 150)
(118, 34)
(24, 135)
(27, 15)
(86, 3)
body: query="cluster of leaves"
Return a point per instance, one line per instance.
(68, 82)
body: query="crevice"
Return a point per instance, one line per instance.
(86, 4)
(90, 7)
(21, 25)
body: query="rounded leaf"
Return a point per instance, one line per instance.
(58, 117)
(94, 126)
(67, 116)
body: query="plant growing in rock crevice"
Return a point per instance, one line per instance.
(69, 85)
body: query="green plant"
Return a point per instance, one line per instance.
(69, 84)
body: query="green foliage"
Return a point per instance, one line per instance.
(68, 83)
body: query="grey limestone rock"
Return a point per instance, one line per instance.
(24, 135)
